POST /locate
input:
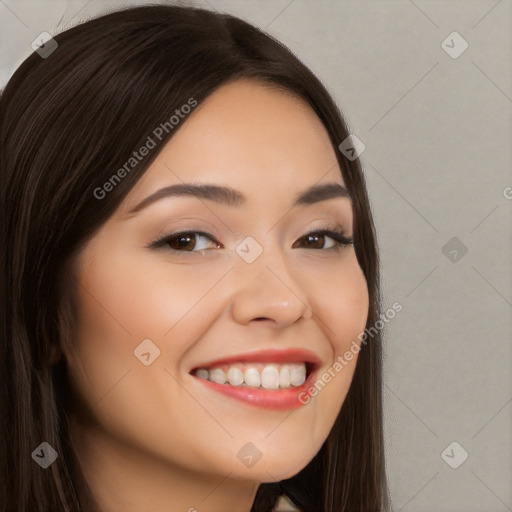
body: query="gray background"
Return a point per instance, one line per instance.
(438, 162)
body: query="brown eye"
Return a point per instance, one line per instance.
(320, 240)
(182, 242)
(186, 241)
(314, 241)
(196, 241)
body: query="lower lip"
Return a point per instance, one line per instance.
(289, 398)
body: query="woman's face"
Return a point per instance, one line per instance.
(253, 294)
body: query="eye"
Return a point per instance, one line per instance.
(195, 241)
(317, 239)
(185, 241)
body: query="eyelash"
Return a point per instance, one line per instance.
(337, 234)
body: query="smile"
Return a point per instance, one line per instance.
(270, 379)
(257, 375)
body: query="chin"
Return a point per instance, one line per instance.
(270, 471)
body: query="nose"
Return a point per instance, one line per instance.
(267, 290)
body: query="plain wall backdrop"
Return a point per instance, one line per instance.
(426, 86)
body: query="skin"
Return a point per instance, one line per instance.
(154, 438)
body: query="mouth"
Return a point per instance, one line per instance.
(275, 379)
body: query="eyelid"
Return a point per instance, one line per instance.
(333, 230)
(162, 241)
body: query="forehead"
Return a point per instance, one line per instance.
(253, 137)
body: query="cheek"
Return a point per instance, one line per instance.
(342, 306)
(123, 301)
(116, 310)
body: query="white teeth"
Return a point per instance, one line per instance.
(284, 377)
(203, 373)
(235, 376)
(217, 375)
(297, 375)
(252, 377)
(268, 376)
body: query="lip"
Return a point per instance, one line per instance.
(289, 398)
(293, 355)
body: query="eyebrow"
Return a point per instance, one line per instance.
(232, 197)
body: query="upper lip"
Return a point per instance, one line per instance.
(291, 355)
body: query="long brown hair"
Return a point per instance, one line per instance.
(68, 120)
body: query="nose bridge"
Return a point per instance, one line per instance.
(265, 286)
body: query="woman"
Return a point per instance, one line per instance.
(187, 259)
